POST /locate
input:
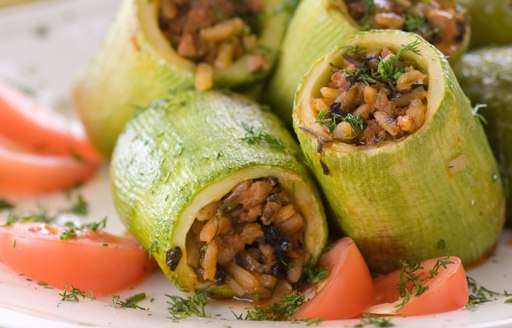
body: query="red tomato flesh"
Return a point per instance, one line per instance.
(447, 290)
(96, 261)
(38, 129)
(27, 173)
(347, 291)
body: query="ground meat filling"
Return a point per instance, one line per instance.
(441, 22)
(214, 33)
(374, 96)
(252, 240)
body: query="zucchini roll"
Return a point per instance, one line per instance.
(161, 45)
(214, 188)
(404, 164)
(319, 25)
(491, 21)
(485, 76)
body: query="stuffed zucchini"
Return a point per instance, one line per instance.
(161, 45)
(319, 25)
(212, 185)
(485, 76)
(491, 21)
(404, 164)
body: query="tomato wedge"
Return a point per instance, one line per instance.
(347, 291)
(96, 261)
(446, 290)
(38, 151)
(38, 129)
(27, 173)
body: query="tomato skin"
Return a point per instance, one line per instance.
(86, 262)
(38, 129)
(447, 291)
(348, 289)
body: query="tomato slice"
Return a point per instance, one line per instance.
(446, 291)
(28, 173)
(96, 261)
(348, 289)
(38, 129)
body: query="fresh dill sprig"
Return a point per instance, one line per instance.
(95, 226)
(73, 294)
(479, 294)
(181, 308)
(371, 320)
(258, 136)
(81, 207)
(41, 217)
(71, 229)
(280, 311)
(129, 303)
(411, 284)
(315, 275)
(5, 205)
(331, 120)
(388, 70)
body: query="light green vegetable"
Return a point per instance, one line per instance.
(317, 27)
(192, 149)
(491, 21)
(485, 76)
(136, 64)
(436, 192)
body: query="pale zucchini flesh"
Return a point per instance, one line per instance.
(436, 192)
(191, 150)
(136, 64)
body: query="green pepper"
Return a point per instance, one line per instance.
(491, 21)
(434, 192)
(192, 150)
(485, 75)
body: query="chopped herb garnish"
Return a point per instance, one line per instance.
(153, 249)
(71, 229)
(411, 284)
(371, 320)
(315, 275)
(95, 226)
(73, 294)
(5, 205)
(281, 311)
(479, 294)
(258, 136)
(388, 70)
(81, 207)
(130, 303)
(181, 308)
(508, 301)
(331, 120)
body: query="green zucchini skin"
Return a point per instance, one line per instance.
(189, 150)
(410, 199)
(485, 75)
(135, 64)
(491, 22)
(316, 28)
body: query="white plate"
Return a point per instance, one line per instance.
(43, 46)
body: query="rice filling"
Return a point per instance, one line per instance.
(373, 96)
(252, 240)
